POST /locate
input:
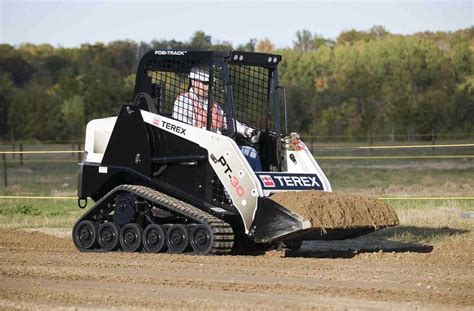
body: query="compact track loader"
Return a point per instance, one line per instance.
(201, 161)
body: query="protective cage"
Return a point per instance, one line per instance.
(241, 86)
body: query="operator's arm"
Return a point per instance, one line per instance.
(249, 132)
(252, 134)
(183, 109)
(242, 128)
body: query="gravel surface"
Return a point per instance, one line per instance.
(42, 270)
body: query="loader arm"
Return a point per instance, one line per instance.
(226, 159)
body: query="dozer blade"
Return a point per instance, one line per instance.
(317, 215)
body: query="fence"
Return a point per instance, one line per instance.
(37, 168)
(76, 152)
(432, 138)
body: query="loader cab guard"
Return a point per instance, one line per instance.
(243, 85)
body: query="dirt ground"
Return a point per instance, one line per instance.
(337, 210)
(42, 270)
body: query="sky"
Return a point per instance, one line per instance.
(71, 23)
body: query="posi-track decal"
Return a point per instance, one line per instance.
(174, 53)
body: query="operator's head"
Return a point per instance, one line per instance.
(199, 76)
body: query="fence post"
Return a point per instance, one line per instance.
(370, 143)
(79, 152)
(13, 149)
(21, 153)
(73, 147)
(433, 139)
(5, 180)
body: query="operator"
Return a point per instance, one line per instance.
(191, 108)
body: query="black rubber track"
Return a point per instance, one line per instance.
(223, 235)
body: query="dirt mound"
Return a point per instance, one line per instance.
(34, 240)
(329, 210)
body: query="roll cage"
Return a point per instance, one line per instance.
(243, 84)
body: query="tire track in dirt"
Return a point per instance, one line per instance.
(48, 271)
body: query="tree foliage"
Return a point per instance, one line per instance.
(374, 82)
(363, 83)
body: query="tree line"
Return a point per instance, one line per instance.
(362, 83)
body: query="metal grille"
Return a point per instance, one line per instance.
(219, 108)
(194, 93)
(252, 89)
(169, 79)
(219, 195)
(183, 99)
(183, 90)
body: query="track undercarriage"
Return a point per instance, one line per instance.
(135, 218)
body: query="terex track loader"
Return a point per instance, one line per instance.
(172, 172)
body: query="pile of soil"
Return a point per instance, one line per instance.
(330, 210)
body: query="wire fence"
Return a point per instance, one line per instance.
(33, 169)
(432, 138)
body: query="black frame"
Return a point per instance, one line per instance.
(222, 60)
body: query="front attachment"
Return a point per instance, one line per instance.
(318, 215)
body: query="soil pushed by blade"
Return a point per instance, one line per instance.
(332, 210)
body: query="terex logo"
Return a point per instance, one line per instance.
(156, 121)
(297, 181)
(174, 53)
(267, 181)
(290, 181)
(173, 127)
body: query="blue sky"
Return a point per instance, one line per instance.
(70, 23)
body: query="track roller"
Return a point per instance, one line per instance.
(154, 239)
(131, 237)
(108, 236)
(201, 238)
(85, 234)
(177, 238)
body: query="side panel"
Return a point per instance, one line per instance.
(225, 158)
(302, 161)
(128, 145)
(188, 177)
(96, 180)
(98, 133)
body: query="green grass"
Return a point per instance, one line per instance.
(421, 221)
(430, 221)
(38, 213)
(386, 179)
(380, 178)
(51, 178)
